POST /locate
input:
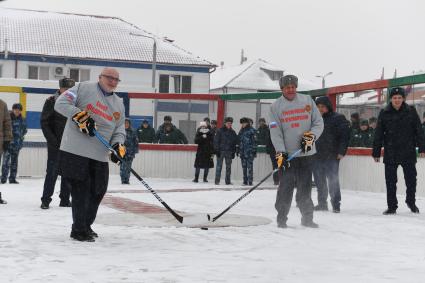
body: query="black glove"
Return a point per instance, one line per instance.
(282, 160)
(218, 154)
(85, 123)
(237, 152)
(255, 154)
(307, 141)
(119, 153)
(6, 145)
(233, 155)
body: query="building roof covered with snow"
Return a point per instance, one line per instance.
(86, 37)
(258, 75)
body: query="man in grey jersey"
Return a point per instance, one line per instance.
(295, 123)
(84, 159)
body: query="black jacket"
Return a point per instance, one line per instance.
(204, 154)
(336, 133)
(52, 123)
(400, 132)
(225, 140)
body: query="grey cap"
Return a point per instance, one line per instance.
(287, 80)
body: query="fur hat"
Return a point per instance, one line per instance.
(244, 120)
(288, 80)
(397, 91)
(228, 120)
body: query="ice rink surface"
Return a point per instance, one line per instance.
(358, 245)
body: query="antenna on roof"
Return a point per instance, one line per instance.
(6, 49)
(243, 58)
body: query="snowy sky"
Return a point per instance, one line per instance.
(352, 38)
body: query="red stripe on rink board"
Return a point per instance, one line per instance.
(193, 147)
(175, 96)
(128, 205)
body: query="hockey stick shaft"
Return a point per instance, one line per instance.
(112, 150)
(295, 154)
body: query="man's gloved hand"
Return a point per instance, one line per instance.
(6, 145)
(218, 154)
(85, 123)
(120, 153)
(282, 160)
(307, 141)
(254, 154)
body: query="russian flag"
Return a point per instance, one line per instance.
(273, 125)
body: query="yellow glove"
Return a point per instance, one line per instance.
(120, 153)
(282, 160)
(307, 141)
(85, 123)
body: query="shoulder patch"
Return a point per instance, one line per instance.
(308, 108)
(117, 115)
(272, 125)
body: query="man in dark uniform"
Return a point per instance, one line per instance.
(52, 125)
(263, 132)
(399, 130)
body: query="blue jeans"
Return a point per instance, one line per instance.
(326, 177)
(227, 156)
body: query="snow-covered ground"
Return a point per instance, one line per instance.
(358, 245)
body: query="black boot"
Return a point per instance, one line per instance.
(82, 236)
(65, 203)
(282, 225)
(92, 233)
(413, 208)
(13, 182)
(390, 211)
(2, 201)
(44, 205)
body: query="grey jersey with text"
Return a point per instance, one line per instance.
(107, 112)
(290, 119)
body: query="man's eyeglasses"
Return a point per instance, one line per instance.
(111, 78)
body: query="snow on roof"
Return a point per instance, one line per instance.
(252, 75)
(85, 36)
(366, 98)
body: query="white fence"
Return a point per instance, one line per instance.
(358, 173)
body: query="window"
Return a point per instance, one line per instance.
(164, 84)
(38, 73)
(179, 84)
(176, 84)
(186, 84)
(79, 75)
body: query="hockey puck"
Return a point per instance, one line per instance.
(204, 228)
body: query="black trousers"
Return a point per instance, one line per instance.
(89, 182)
(409, 171)
(51, 177)
(297, 176)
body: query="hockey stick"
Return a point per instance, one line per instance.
(295, 154)
(112, 150)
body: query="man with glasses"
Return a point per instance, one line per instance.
(83, 159)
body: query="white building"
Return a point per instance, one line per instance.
(39, 45)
